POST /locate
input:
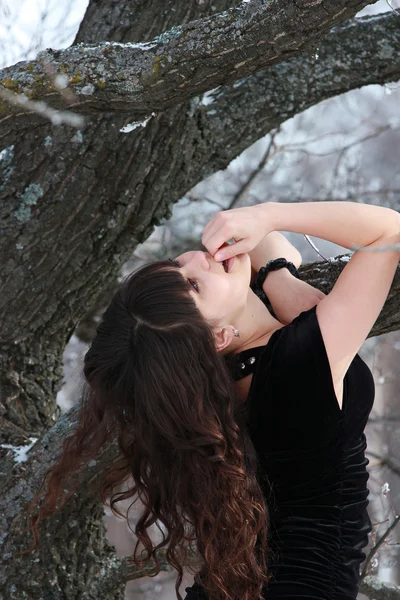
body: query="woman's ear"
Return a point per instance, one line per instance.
(223, 337)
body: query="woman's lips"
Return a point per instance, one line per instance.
(227, 264)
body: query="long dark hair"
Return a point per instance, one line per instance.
(155, 382)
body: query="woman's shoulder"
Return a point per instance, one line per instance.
(293, 397)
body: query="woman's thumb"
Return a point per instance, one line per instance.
(229, 251)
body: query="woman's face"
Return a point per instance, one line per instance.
(219, 296)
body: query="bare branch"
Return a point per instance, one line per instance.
(182, 62)
(299, 146)
(379, 590)
(313, 246)
(268, 154)
(384, 461)
(378, 544)
(392, 8)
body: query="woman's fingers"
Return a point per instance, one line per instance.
(246, 225)
(216, 233)
(223, 227)
(232, 250)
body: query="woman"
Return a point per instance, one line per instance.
(261, 465)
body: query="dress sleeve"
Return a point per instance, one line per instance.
(292, 400)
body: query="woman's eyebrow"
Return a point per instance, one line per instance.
(174, 262)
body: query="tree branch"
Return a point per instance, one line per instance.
(236, 116)
(378, 544)
(182, 62)
(379, 590)
(385, 461)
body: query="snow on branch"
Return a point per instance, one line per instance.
(181, 62)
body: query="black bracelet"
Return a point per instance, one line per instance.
(272, 265)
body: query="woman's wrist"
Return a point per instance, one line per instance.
(276, 278)
(274, 245)
(276, 293)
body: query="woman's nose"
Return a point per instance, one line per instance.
(199, 259)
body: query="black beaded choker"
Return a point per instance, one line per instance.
(243, 363)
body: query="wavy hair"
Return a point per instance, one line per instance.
(154, 381)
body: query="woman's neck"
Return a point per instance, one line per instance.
(243, 385)
(256, 325)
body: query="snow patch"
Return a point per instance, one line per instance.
(207, 97)
(87, 90)
(239, 82)
(20, 451)
(131, 126)
(140, 46)
(345, 258)
(7, 156)
(7, 153)
(61, 81)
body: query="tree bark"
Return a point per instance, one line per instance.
(75, 205)
(184, 61)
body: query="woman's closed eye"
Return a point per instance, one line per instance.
(193, 283)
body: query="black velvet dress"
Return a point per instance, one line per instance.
(312, 455)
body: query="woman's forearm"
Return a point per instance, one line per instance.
(343, 223)
(274, 245)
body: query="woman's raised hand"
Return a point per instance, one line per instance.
(247, 226)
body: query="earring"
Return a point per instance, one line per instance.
(236, 332)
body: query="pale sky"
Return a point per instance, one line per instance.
(28, 26)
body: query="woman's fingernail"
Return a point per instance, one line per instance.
(218, 256)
